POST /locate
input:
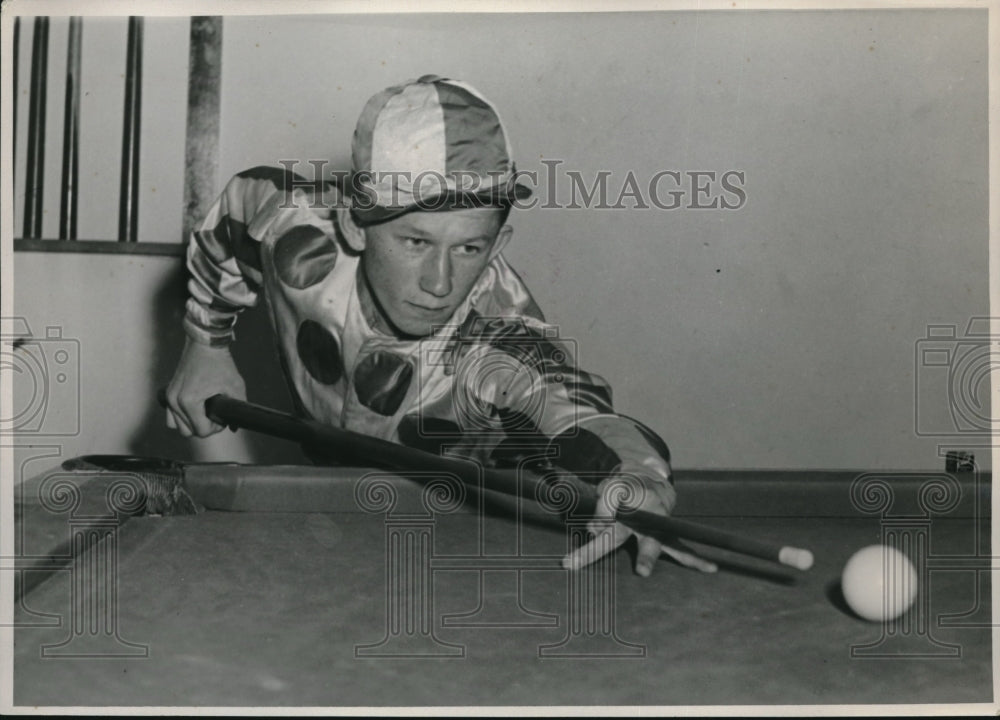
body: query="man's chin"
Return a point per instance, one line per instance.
(417, 329)
(418, 326)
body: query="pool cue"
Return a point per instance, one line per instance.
(376, 452)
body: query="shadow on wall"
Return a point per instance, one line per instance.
(256, 355)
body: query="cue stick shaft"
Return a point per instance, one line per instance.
(393, 456)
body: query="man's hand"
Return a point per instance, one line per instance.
(202, 372)
(629, 492)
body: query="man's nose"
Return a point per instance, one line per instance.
(435, 278)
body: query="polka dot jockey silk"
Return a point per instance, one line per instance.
(497, 382)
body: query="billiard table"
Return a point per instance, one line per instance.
(346, 587)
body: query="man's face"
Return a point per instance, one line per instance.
(422, 265)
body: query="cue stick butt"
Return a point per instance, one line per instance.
(795, 557)
(161, 398)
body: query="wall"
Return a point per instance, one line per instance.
(119, 352)
(779, 335)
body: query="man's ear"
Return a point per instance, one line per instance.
(354, 235)
(503, 237)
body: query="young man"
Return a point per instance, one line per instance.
(397, 316)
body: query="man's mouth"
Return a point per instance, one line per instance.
(429, 310)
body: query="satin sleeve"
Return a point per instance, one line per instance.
(531, 379)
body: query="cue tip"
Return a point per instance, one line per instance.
(795, 557)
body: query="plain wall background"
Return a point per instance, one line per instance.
(779, 335)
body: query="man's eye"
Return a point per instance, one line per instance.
(414, 242)
(470, 249)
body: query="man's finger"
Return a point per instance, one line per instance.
(608, 534)
(648, 554)
(606, 540)
(203, 426)
(180, 424)
(689, 559)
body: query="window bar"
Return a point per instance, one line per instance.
(128, 199)
(17, 53)
(34, 163)
(70, 191)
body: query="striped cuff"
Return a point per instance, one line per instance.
(211, 336)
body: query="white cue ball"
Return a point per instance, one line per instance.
(879, 583)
